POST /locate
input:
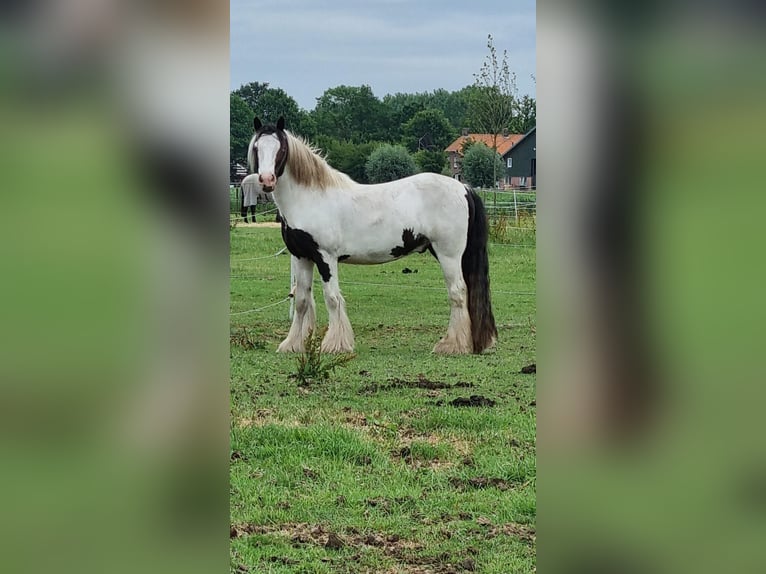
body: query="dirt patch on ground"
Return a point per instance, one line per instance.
(405, 552)
(354, 419)
(481, 482)
(472, 401)
(422, 382)
(400, 446)
(408, 436)
(259, 418)
(406, 455)
(529, 369)
(523, 532)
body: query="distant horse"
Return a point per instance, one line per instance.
(328, 218)
(251, 195)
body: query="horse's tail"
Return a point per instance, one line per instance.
(475, 264)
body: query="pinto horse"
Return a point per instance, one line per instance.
(328, 218)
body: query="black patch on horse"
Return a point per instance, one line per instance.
(302, 245)
(410, 243)
(343, 257)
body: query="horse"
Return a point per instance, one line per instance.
(328, 218)
(251, 196)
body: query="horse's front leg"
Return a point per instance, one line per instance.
(340, 336)
(304, 317)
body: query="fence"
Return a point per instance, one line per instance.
(521, 206)
(509, 208)
(264, 211)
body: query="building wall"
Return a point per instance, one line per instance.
(455, 165)
(523, 154)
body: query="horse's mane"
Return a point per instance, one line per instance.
(308, 167)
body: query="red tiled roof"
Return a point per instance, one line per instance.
(503, 143)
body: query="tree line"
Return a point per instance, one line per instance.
(409, 131)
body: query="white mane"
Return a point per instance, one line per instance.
(309, 168)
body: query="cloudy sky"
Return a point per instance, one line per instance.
(307, 46)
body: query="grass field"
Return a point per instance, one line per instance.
(376, 470)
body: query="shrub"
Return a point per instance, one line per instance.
(389, 162)
(477, 166)
(315, 366)
(350, 158)
(433, 161)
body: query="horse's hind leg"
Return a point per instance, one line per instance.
(340, 335)
(243, 208)
(458, 338)
(304, 318)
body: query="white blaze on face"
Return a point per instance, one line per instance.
(268, 146)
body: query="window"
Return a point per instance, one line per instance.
(510, 162)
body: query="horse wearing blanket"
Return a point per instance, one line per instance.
(328, 218)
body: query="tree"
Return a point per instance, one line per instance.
(428, 130)
(466, 145)
(492, 102)
(525, 115)
(350, 158)
(454, 105)
(251, 93)
(270, 103)
(432, 161)
(273, 103)
(240, 128)
(479, 169)
(399, 108)
(389, 162)
(351, 113)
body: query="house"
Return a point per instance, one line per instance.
(237, 173)
(521, 162)
(505, 142)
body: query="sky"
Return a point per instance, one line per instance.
(308, 46)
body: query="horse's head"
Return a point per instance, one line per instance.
(268, 153)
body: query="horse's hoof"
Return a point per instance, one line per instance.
(337, 348)
(447, 347)
(286, 347)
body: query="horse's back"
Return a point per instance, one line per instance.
(427, 204)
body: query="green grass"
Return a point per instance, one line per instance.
(376, 455)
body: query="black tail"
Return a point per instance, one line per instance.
(475, 264)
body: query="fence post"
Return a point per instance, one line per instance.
(515, 209)
(291, 309)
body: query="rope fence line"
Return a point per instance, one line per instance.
(278, 253)
(238, 218)
(281, 251)
(490, 211)
(285, 300)
(418, 287)
(425, 287)
(233, 216)
(512, 245)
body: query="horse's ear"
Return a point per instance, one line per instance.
(281, 123)
(257, 124)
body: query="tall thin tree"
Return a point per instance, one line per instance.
(492, 103)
